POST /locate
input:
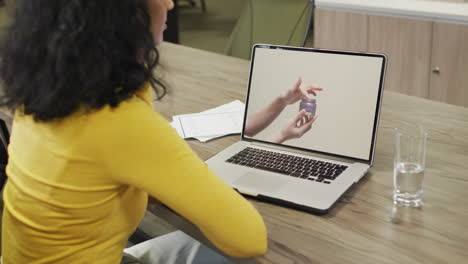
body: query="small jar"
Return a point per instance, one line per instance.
(309, 105)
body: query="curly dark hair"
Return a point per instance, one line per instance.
(60, 55)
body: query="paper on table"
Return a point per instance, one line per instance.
(229, 107)
(232, 106)
(210, 124)
(216, 122)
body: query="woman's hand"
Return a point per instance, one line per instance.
(297, 92)
(298, 127)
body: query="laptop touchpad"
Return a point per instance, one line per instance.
(259, 182)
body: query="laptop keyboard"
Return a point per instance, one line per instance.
(304, 168)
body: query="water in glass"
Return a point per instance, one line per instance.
(408, 184)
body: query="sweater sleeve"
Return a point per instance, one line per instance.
(141, 149)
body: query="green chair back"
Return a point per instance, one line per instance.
(280, 22)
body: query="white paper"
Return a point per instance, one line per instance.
(216, 122)
(210, 124)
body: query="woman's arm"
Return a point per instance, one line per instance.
(139, 148)
(263, 118)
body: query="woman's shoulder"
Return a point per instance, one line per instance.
(131, 113)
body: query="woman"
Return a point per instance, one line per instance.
(87, 148)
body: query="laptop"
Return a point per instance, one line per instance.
(280, 157)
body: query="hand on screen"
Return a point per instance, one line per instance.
(259, 120)
(295, 129)
(298, 92)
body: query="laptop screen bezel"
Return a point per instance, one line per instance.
(301, 49)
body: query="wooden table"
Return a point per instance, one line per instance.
(364, 227)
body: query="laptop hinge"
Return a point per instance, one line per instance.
(313, 154)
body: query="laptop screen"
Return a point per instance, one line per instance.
(318, 100)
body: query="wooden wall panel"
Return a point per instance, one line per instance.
(340, 30)
(449, 77)
(407, 43)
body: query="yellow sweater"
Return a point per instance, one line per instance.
(78, 187)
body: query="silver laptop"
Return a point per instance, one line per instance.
(305, 154)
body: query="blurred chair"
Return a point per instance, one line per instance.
(281, 22)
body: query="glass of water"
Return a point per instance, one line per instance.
(409, 164)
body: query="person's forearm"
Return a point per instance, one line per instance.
(263, 118)
(278, 138)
